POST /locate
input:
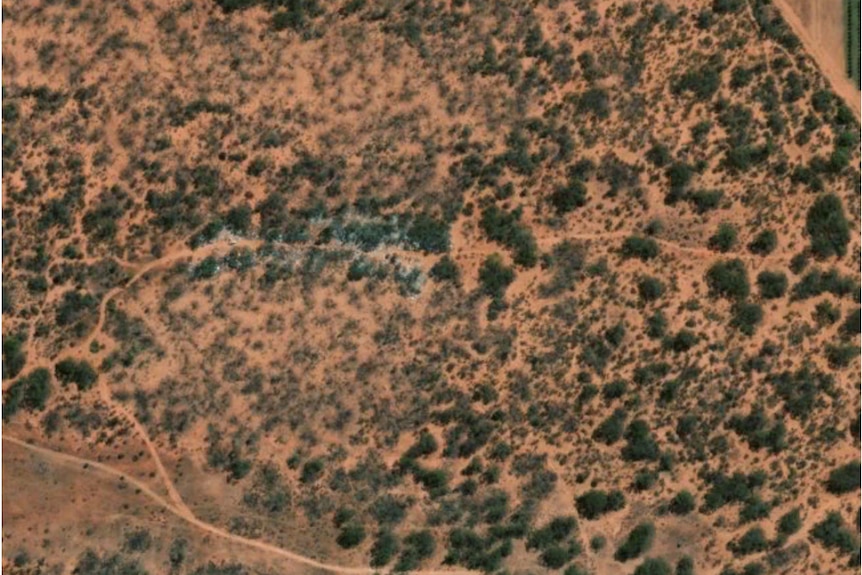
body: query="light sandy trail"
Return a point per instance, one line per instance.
(189, 517)
(835, 75)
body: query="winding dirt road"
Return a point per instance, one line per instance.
(186, 515)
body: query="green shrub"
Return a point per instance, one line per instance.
(428, 234)
(681, 342)
(817, 282)
(506, 228)
(445, 269)
(828, 227)
(312, 470)
(81, 373)
(14, 357)
(385, 547)
(138, 541)
(790, 523)
(845, 478)
(30, 392)
(833, 534)
(495, 276)
(763, 243)
(772, 285)
(747, 316)
(638, 541)
(555, 531)
(656, 325)
(852, 323)
(418, 545)
(752, 541)
(840, 355)
(238, 219)
(654, 566)
(388, 510)
(728, 279)
(555, 556)
(724, 238)
(611, 429)
(350, 536)
(685, 566)
(705, 200)
(640, 247)
(650, 288)
(595, 503)
(682, 503)
(640, 446)
(90, 563)
(567, 198)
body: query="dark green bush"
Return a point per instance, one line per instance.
(640, 247)
(81, 373)
(685, 566)
(507, 229)
(569, 197)
(30, 392)
(495, 276)
(852, 324)
(640, 446)
(428, 234)
(654, 566)
(728, 279)
(763, 243)
(595, 503)
(828, 227)
(724, 238)
(650, 288)
(638, 541)
(845, 478)
(418, 545)
(682, 503)
(385, 547)
(840, 355)
(14, 357)
(681, 342)
(752, 541)
(772, 285)
(312, 470)
(790, 523)
(611, 429)
(817, 282)
(833, 534)
(555, 531)
(350, 535)
(705, 200)
(747, 316)
(445, 269)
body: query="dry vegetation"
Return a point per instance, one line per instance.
(465, 285)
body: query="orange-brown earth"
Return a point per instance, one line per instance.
(435, 287)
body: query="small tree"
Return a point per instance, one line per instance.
(640, 247)
(845, 478)
(772, 285)
(828, 227)
(728, 279)
(724, 238)
(763, 243)
(682, 503)
(638, 541)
